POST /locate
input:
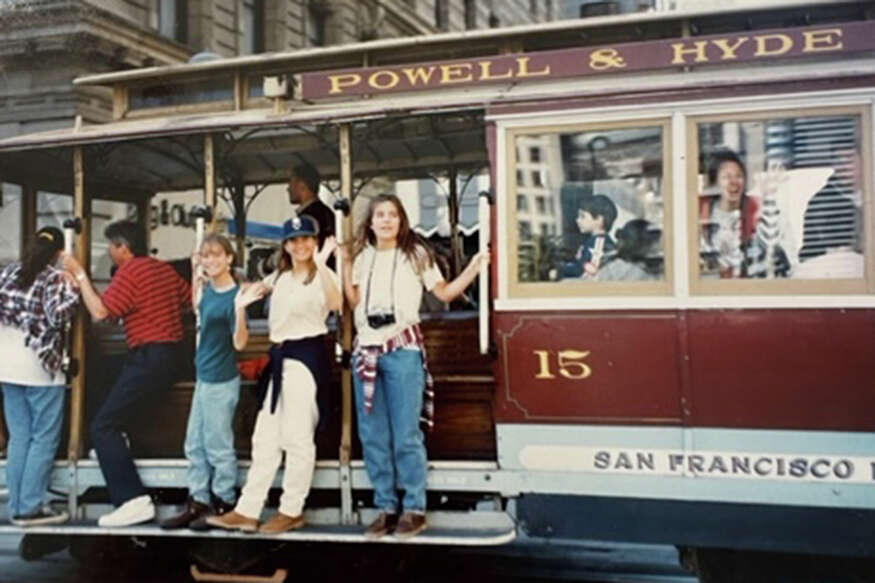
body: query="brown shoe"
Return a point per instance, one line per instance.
(219, 508)
(282, 523)
(193, 511)
(233, 521)
(384, 524)
(410, 525)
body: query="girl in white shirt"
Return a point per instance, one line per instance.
(384, 284)
(36, 301)
(294, 384)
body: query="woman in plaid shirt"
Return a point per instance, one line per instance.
(36, 300)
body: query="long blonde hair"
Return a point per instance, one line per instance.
(409, 242)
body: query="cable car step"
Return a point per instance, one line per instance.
(473, 528)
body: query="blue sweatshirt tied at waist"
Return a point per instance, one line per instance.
(312, 353)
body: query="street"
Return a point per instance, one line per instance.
(587, 562)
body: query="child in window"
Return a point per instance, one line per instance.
(594, 219)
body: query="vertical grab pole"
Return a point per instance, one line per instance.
(82, 212)
(483, 285)
(201, 215)
(344, 228)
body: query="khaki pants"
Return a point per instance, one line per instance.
(289, 429)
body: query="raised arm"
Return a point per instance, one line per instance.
(60, 299)
(350, 289)
(248, 294)
(197, 280)
(90, 296)
(448, 291)
(333, 296)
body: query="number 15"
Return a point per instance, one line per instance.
(569, 362)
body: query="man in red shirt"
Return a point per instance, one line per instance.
(149, 296)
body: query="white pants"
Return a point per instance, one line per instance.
(289, 429)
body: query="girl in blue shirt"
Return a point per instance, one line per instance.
(209, 439)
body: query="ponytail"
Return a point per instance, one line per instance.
(39, 254)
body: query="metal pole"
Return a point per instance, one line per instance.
(81, 210)
(209, 172)
(483, 285)
(344, 229)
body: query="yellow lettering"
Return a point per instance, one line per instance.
(822, 40)
(729, 49)
(606, 59)
(523, 64)
(456, 73)
(681, 50)
(486, 72)
(570, 366)
(340, 82)
(543, 360)
(375, 77)
(763, 49)
(418, 75)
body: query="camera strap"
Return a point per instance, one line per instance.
(391, 282)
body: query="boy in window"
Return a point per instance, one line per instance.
(594, 219)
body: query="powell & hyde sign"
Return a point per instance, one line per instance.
(585, 61)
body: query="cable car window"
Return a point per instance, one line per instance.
(11, 198)
(594, 215)
(780, 198)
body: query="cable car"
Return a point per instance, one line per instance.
(654, 355)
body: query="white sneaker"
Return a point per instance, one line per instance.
(134, 511)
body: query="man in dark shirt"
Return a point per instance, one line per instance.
(304, 191)
(149, 296)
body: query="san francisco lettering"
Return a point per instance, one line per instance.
(584, 61)
(735, 465)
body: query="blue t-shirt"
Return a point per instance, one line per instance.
(216, 359)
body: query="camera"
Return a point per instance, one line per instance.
(381, 319)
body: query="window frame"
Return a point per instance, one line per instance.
(779, 286)
(517, 290)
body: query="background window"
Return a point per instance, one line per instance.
(599, 205)
(173, 19)
(781, 198)
(316, 19)
(470, 14)
(442, 15)
(522, 203)
(253, 27)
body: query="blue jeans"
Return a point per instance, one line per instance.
(33, 415)
(209, 441)
(392, 442)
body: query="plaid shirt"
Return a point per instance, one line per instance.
(40, 311)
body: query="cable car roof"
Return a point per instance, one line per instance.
(572, 32)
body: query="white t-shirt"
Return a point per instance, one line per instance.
(20, 364)
(296, 310)
(408, 291)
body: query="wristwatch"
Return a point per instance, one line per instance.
(82, 277)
